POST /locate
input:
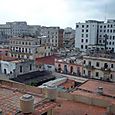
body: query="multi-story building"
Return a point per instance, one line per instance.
(28, 48)
(34, 30)
(69, 37)
(99, 66)
(69, 66)
(18, 28)
(95, 32)
(13, 68)
(54, 35)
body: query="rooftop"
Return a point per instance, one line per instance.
(46, 60)
(73, 108)
(65, 104)
(90, 88)
(10, 103)
(37, 77)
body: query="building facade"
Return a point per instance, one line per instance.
(69, 66)
(99, 66)
(95, 32)
(54, 35)
(28, 48)
(69, 38)
(17, 67)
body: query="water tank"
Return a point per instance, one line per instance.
(100, 90)
(51, 93)
(27, 103)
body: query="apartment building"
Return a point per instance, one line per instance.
(95, 32)
(99, 66)
(69, 37)
(18, 28)
(54, 35)
(71, 66)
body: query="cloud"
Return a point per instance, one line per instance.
(55, 12)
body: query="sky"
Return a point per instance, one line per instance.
(63, 13)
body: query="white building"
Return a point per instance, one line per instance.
(94, 32)
(99, 66)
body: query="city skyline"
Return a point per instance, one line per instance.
(63, 13)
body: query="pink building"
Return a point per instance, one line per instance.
(69, 66)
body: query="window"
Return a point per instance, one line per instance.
(86, 47)
(110, 31)
(84, 71)
(86, 35)
(20, 69)
(82, 40)
(81, 46)
(108, 26)
(109, 43)
(30, 66)
(89, 63)
(87, 26)
(111, 65)
(84, 61)
(105, 65)
(77, 26)
(97, 64)
(86, 40)
(101, 26)
(82, 30)
(87, 30)
(104, 26)
(100, 30)
(111, 77)
(97, 74)
(5, 71)
(82, 35)
(82, 26)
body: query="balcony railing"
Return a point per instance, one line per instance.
(106, 69)
(89, 67)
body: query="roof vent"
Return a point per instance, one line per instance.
(27, 103)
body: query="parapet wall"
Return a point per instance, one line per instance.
(20, 86)
(101, 102)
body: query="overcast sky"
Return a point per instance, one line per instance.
(61, 13)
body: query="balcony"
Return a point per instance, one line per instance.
(108, 70)
(89, 67)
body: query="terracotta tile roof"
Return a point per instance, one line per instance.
(92, 85)
(46, 60)
(10, 103)
(75, 108)
(89, 89)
